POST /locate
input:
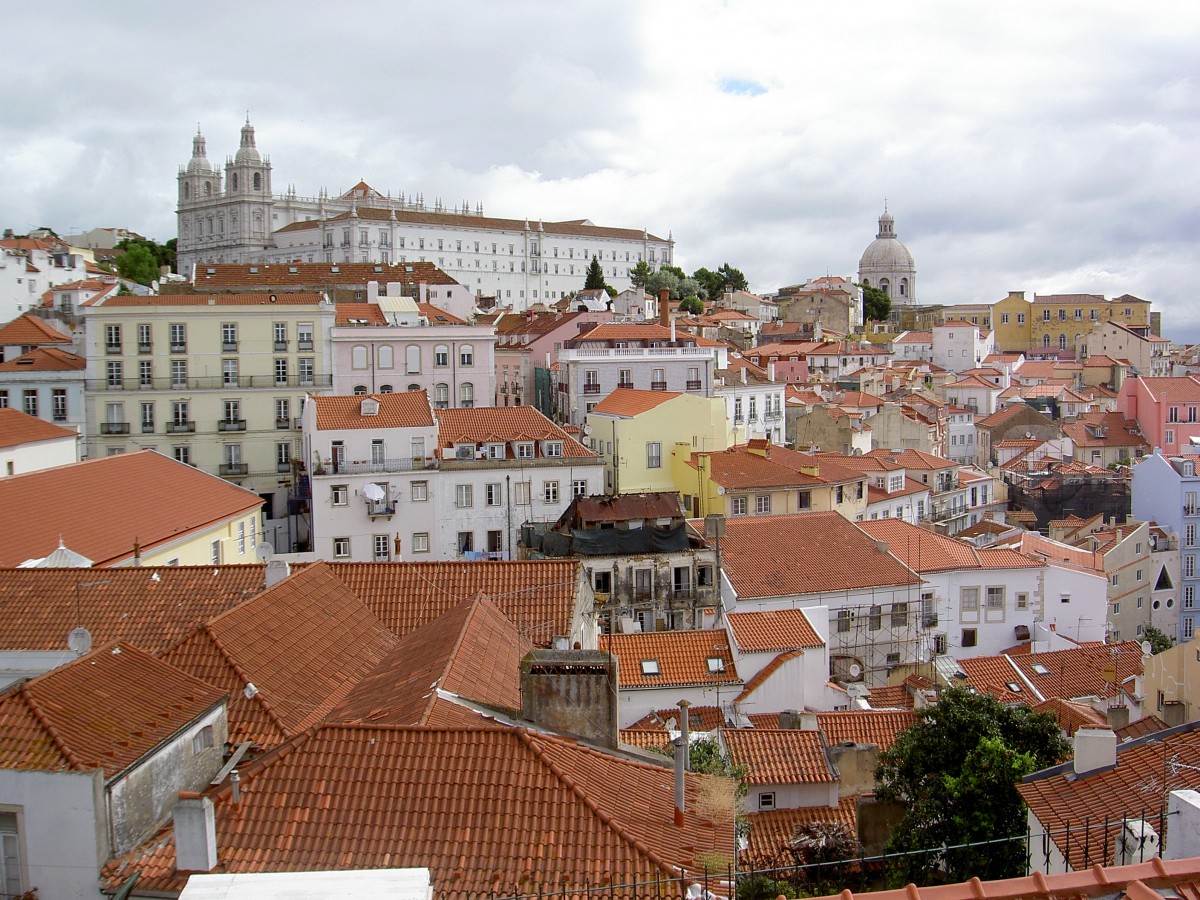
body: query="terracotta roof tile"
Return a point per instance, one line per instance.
(409, 409)
(1084, 671)
(255, 300)
(45, 359)
(360, 314)
(806, 553)
(998, 676)
(94, 712)
(29, 330)
(892, 696)
(472, 651)
(782, 629)
(1072, 716)
(299, 274)
(143, 496)
(496, 810)
(700, 718)
(770, 831)
(438, 316)
(304, 644)
(680, 658)
(484, 424)
(632, 401)
(17, 428)
(539, 596)
(779, 756)
(1143, 726)
(864, 726)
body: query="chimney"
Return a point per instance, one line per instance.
(681, 753)
(792, 720)
(771, 371)
(743, 371)
(664, 306)
(372, 291)
(685, 728)
(195, 833)
(571, 691)
(1095, 749)
(276, 571)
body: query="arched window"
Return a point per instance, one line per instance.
(441, 355)
(233, 181)
(412, 359)
(903, 287)
(358, 357)
(385, 389)
(360, 389)
(384, 357)
(1045, 340)
(257, 181)
(187, 191)
(885, 286)
(466, 355)
(1062, 342)
(441, 395)
(866, 282)
(466, 395)
(207, 188)
(413, 387)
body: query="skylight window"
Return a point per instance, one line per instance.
(1013, 686)
(650, 667)
(716, 665)
(1040, 669)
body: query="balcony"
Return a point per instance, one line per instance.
(1191, 510)
(380, 509)
(231, 425)
(178, 348)
(304, 344)
(114, 349)
(625, 384)
(233, 469)
(207, 383)
(280, 346)
(283, 467)
(658, 385)
(929, 621)
(692, 386)
(181, 427)
(144, 348)
(366, 467)
(283, 424)
(229, 346)
(114, 428)
(147, 428)
(589, 389)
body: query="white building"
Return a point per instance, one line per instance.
(886, 264)
(234, 217)
(31, 266)
(959, 345)
(391, 480)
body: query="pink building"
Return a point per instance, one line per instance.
(1166, 409)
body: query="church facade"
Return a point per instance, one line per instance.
(886, 264)
(232, 216)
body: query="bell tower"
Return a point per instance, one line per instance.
(199, 198)
(249, 199)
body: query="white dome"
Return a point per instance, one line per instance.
(887, 253)
(247, 152)
(887, 264)
(199, 164)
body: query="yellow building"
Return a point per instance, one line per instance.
(637, 432)
(1011, 323)
(1172, 683)
(759, 479)
(1052, 322)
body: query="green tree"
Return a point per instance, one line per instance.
(1159, 640)
(639, 274)
(726, 277)
(955, 773)
(595, 277)
(692, 305)
(876, 303)
(138, 263)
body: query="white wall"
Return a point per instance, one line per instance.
(41, 455)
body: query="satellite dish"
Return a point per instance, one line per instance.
(264, 551)
(1146, 648)
(855, 670)
(80, 640)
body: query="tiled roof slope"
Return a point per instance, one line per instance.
(298, 274)
(805, 553)
(682, 657)
(926, 551)
(1154, 878)
(779, 755)
(771, 830)
(484, 424)
(18, 428)
(45, 359)
(359, 314)
(152, 607)
(1072, 716)
(489, 811)
(260, 299)
(632, 401)
(864, 726)
(409, 409)
(1080, 671)
(105, 710)
(776, 629)
(539, 597)
(303, 644)
(700, 718)
(141, 496)
(1136, 788)
(472, 651)
(29, 330)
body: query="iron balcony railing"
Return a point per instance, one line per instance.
(207, 383)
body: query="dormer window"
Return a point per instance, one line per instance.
(464, 451)
(495, 451)
(525, 450)
(553, 448)
(650, 667)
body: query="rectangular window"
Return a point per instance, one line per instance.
(762, 504)
(739, 506)
(420, 491)
(970, 637)
(145, 373)
(1022, 601)
(970, 599)
(283, 456)
(653, 454)
(229, 340)
(115, 372)
(995, 598)
(579, 488)
(30, 401)
(377, 452)
(466, 542)
(304, 335)
(112, 338)
(420, 542)
(341, 548)
(899, 615)
(524, 450)
(522, 493)
(182, 454)
(178, 338)
(766, 800)
(241, 538)
(229, 372)
(143, 332)
(306, 370)
(281, 371)
(280, 332)
(844, 620)
(339, 494)
(463, 496)
(550, 491)
(493, 495)
(179, 373)
(383, 547)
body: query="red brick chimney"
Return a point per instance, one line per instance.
(664, 307)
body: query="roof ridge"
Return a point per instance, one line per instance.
(448, 662)
(243, 675)
(526, 736)
(44, 721)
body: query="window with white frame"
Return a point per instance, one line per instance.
(579, 488)
(383, 547)
(739, 506)
(524, 450)
(550, 491)
(970, 599)
(466, 395)
(339, 494)
(464, 496)
(341, 548)
(522, 493)
(441, 356)
(466, 355)
(995, 598)
(307, 365)
(493, 495)
(419, 490)
(420, 542)
(762, 504)
(553, 449)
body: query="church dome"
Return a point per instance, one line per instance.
(199, 164)
(247, 152)
(887, 253)
(887, 264)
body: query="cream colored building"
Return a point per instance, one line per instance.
(214, 381)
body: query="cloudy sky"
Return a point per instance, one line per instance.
(1045, 147)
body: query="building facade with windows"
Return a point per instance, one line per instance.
(233, 217)
(393, 479)
(215, 381)
(1166, 490)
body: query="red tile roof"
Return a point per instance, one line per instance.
(255, 300)
(773, 630)
(1090, 670)
(105, 710)
(539, 596)
(864, 726)
(496, 810)
(632, 401)
(926, 551)
(473, 651)
(152, 607)
(805, 554)
(410, 409)
(438, 316)
(779, 755)
(360, 314)
(299, 274)
(700, 718)
(134, 497)
(892, 696)
(303, 644)
(770, 831)
(1174, 390)
(17, 428)
(45, 359)
(681, 656)
(1072, 716)
(486, 424)
(29, 330)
